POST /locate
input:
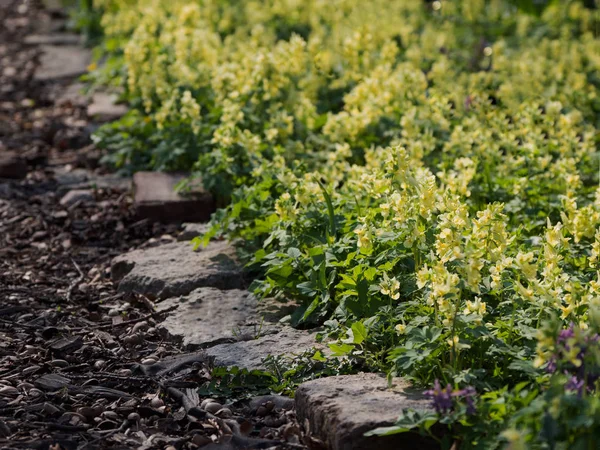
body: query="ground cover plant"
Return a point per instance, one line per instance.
(423, 177)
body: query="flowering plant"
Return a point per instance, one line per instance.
(424, 183)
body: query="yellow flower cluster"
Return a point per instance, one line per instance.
(478, 159)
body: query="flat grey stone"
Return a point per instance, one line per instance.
(155, 198)
(175, 269)
(77, 195)
(209, 316)
(84, 179)
(282, 341)
(341, 409)
(104, 107)
(192, 230)
(53, 39)
(73, 94)
(62, 61)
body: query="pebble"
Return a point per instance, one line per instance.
(156, 402)
(134, 339)
(25, 386)
(76, 196)
(30, 350)
(29, 370)
(133, 417)
(213, 407)
(113, 312)
(74, 418)
(111, 415)
(50, 409)
(88, 413)
(59, 363)
(140, 326)
(100, 364)
(262, 411)
(9, 391)
(224, 413)
(148, 361)
(206, 401)
(35, 393)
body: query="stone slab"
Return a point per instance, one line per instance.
(155, 198)
(104, 107)
(53, 39)
(341, 409)
(192, 230)
(175, 269)
(209, 316)
(281, 341)
(84, 179)
(73, 94)
(62, 61)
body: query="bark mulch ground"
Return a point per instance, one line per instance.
(75, 354)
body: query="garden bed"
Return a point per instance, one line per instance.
(421, 177)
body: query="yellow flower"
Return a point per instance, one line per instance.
(390, 286)
(453, 342)
(400, 328)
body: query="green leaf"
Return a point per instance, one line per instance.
(359, 332)
(341, 349)
(330, 211)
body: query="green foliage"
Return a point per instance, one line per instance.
(281, 375)
(424, 183)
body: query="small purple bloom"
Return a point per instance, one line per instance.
(441, 398)
(575, 384)
(582, 376)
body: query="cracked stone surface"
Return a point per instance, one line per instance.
(209, 316)
(341, 409)
(281, 341)
(175, 269)
(105, 107)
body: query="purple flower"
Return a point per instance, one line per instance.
(441, 398)
(582, 376)
(565, 335)
(575, 384)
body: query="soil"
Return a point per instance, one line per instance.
(74, 353)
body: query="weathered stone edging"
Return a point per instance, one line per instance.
(175, 269)
(214, 312)
(341, 409)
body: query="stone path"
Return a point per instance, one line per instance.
(211, 308)
(237, 331)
